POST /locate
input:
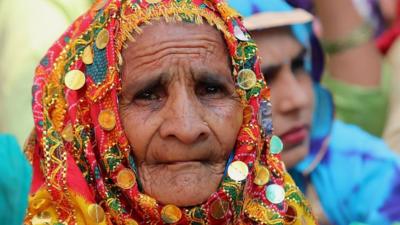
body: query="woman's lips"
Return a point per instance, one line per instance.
(181, 165)
(295, 136)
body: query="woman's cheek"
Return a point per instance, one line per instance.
(226, 120)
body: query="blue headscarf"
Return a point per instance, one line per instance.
(357, 178)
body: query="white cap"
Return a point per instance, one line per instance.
(267, 20)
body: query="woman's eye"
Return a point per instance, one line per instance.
(148, 95)
(271, 74)
(210, 90)
(297, 65)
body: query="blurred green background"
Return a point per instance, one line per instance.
(27, 29)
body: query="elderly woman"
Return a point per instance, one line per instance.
(162, 129)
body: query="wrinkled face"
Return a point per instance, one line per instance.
(179, 110)
(291, 90)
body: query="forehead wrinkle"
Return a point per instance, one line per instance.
(166, 77)
(186, 42)
(177, 73)
(144, 53)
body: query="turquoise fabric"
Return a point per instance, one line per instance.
(358, 178)
(15, 181)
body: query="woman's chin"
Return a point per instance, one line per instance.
(183, 185)
(189, 195)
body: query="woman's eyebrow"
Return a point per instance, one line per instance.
(210, 77)
(300, 56)
(144, 82)
(277, 66)
(147, 81)
(270, 70)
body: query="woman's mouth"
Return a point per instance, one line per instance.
(295, 136)
(181, 165)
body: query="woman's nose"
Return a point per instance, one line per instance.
(293, 96)
(183, 120)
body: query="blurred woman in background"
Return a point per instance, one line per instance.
(338, 165)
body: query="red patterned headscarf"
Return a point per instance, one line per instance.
(84, 167)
